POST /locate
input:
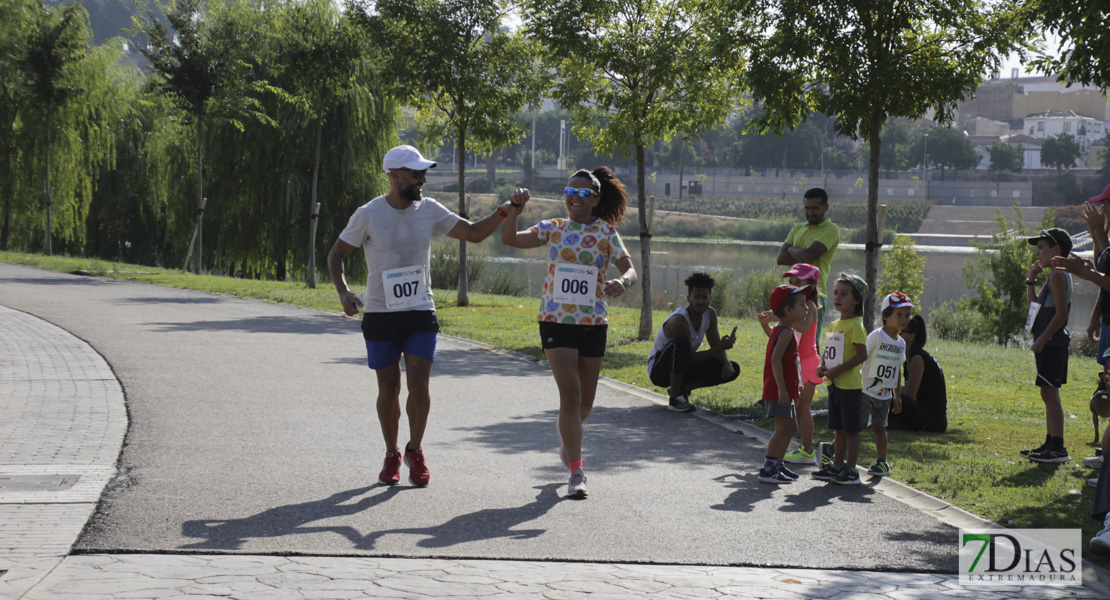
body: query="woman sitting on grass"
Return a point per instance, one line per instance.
(925, 396)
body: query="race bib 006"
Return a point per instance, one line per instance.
(575, 284)
(403, 287)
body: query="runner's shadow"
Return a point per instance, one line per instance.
(748, 491)
(231, 534)
(307, 324)
(808, 500)
(485, 524)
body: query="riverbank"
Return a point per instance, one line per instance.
(994, 408)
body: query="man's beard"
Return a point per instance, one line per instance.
(410, 193)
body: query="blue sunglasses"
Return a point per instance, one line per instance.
(580, 192)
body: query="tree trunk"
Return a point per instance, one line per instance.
(198, 263)
(463, 298)
(871, 255)
(645, 247)
(48, 196)
(491, 169)
(314, 208)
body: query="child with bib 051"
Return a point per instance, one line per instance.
(886, 351)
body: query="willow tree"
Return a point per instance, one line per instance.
(868, 60)
(63, 108)
(467, 76)
(319, 52)
(632, 73)
(18, 16)
(203, 60)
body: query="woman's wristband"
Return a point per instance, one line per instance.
(502, 212)
(1030, 282)
(626, 281)
(515, 205)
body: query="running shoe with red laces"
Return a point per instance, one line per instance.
(418, 471)
(391, 469)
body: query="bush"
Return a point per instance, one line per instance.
(503, 283)
(958, 321)
(902, 269)
(748, 297)
(445, 265)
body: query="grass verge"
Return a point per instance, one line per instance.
(994, 409)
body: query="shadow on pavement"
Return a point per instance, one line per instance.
(747, 492)
(230, 534)
(485, 524)
(615, 439)
(62, 279)
(171, 300)
(307, 324)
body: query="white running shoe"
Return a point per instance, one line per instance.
(577, 486)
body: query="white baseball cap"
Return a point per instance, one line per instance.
(407, 157)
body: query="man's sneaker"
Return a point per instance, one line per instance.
(1051, 455)
(788, 472)
(680, 404)
(879, 468)
(826, 473)
(801, 457)
(391, 469)
(418, 471)
(1040, 448)
(1100, 544)
(847, 476)
(827, 454)
(774, 475)
(1093, 462)
(577, 486)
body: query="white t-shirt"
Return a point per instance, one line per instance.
(882, 367)
(398, 242)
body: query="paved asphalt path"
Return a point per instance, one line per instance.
(253, 431)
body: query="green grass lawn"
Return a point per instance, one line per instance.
(994, 410)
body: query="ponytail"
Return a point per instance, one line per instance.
(612, 200)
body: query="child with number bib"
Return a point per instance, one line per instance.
(886, 351)
(1048, 322)
(845, 351)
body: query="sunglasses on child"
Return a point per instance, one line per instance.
(580, 192)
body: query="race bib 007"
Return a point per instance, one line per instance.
(403, 287)
(575, 284)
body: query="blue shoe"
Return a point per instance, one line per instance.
(773, 476)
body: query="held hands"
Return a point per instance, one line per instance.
(351, 303)
(897, 407)
(519, 198)
(784, 398)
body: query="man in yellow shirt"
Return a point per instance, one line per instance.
(813, 242)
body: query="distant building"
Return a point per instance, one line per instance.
(1030, 149)
(1055, 122)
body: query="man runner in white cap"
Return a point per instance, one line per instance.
(395, 232)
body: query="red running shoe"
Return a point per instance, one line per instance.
(418, 471)
(391, 469)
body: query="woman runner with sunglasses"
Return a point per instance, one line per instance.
(572, 316)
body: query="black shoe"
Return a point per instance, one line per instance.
(680, 404)
(1030, 451)
(1051, 455)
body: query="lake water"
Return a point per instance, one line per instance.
(673, 261)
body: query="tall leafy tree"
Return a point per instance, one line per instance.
(18, 16)
(635, 72)
(466, 75)
(203, 60)
(1083, 54)
(63, 106)
(1060, 151)
(319, 53)
(946, 147)
(57, 42)
(1005, 157)
(868, 60)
